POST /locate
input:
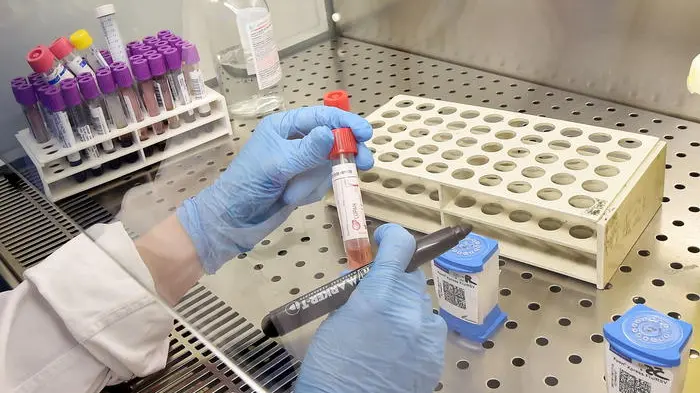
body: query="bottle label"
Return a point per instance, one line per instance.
(98, 120)
(159, 94)
(79, 66)
(184, 93)
(348, 200)
(129, 110)
(628, 375)
(64, 129)
(174, 88)
(457, 294)
(197, 80)
(266, 60)
(57, 74)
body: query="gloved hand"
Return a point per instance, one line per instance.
(285, 164)
(386, 337)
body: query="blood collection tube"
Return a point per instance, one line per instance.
(98, 110)
(25, 96)
(34, 76)
(164, 33)
(156, 63)
(177, 82)
(110, 29)
(20, 80)
(63, 50)
(147, 89)
(57, 108)
(130, 45)
(82, 42)
(194, 76)
(107, 56)
(150, 40)
(346, 189)
(40, 91)
(114, 104)
(44, 62)
(79, 118)
(129, 96)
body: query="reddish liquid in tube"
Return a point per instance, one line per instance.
(359, 252)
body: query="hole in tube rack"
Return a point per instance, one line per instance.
(490, 180)
(629, 143)
(433, 121)
(390, 114)
(492, 209)
(518, 122)
(469, 114)
(396, 128)
(369, 177)
(599, 137)
(518, 152)
(442, 137)
(491, 147)
(412, 162)
(388, 157)
(505, 134)
(382, 139)
(493, 118)
(519, 187)
(452, 154)
(425, 107)
(607, 170)
(436, 167)
(404, 144)
(463, 174)
(478, 130)
(559, 145)
(466, 142)
(404, 103)
(581, 201)
(594, 185)
(587, 150)
(477, 160)
(391, 183)
(377, 124)
(549, 194)
(57, 171)
(55, 164)
(427, 149)
(505, 166)
(544, 127)
(571, 132)
(447, 110)
(520, 216)
(581, 232)
(456, 125)
(51, 152)
(531, 139)
(418, 132)
(563, 179)
(411, 117)
(550, 224)
(533, 172)
(434, 196)
(546, 158)
(576, 164)
(464, 201)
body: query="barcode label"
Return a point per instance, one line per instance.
(159, 94)
(457, 294)
(630, 384)
(454, 294)
(197, 84)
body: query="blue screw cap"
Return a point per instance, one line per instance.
(648, 336)
(469, 256)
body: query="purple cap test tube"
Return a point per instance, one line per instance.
(190, 58)
(71, 94)
(25, 96)
(107, 56)
(20, 80)
(121, 74)
(34, 76)
(88, 87)
(105, 80)
(164, 33)
(114, 106)
(149, 39)
(190, 55)
(53, 100)
(139, 66)
(156, 63)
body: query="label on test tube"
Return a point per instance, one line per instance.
(79, 66)
(627, 375)
(129, 110)
(159, 94)
(197, 84)
(185, 98)
(64, 129)
(172, 83)
(266, 60)
(99, 121)
(460, 292)
(349, 201)
(85, 134)
(58, 74)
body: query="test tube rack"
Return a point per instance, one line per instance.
(56, 173)
(567, 197)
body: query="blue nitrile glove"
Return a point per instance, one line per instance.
(385, 338)
(284, 165)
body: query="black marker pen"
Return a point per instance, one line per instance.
(331, 296)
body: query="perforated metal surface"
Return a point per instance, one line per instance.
(553, 340)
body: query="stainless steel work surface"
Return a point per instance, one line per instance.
(552, 341)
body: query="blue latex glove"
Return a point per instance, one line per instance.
(284, 165)
(386, 337)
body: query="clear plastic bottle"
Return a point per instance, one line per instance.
(348, 199)
(245, 56)
(63, 50)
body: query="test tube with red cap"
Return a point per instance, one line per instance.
(346, 188)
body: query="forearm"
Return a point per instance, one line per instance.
(171, 258)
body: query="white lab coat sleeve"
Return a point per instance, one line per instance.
(79, 321)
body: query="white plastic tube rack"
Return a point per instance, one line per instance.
(56, 173)
(563, 196)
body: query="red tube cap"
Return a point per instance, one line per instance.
(344, 138)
